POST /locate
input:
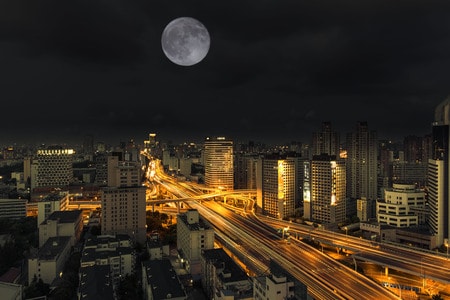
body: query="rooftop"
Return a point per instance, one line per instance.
(163, 280)
(53, 247)
(95, 282)
(65, 216)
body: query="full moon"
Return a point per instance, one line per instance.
(185, 41)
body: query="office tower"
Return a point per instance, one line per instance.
(194, 234)
(361, 162)
(54, 167)
(276, 185)
(325, 141)
(438, 174)
(394, 209)
(219, 171)
(327, 179)
(124, 200)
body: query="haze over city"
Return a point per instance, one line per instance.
(274, 71)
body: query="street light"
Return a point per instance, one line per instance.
(446, 245)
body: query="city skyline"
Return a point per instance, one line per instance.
(274, 72)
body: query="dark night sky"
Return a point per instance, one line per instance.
(275, 69)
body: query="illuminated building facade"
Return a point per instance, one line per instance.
(219, 171)
(277, 185)
(54, 167)
(328, 189)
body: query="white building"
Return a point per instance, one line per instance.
(272, 287)
(395, 209)
(438, 218)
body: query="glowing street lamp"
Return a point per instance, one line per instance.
(446, 245)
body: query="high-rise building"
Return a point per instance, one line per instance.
(361, 162)
(328, 198)
(54, 167)
(325, 141)
(124, 200)
(438, 174)
(219, 171)
(276, 185)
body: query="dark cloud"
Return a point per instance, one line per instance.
(275, 69)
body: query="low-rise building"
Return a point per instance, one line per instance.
(13, 208)
(116, 252)
(272, 287)
(62, 223)
(395, 209)
(95, 282)
(49, 261)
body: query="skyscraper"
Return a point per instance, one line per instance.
(438, 174)
(327, 179)
(276, 183)
(219, 171)
(361, 162)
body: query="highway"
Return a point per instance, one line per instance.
(408, 260)
(324, 277)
